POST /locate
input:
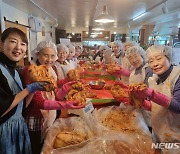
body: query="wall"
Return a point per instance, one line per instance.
(22, 18)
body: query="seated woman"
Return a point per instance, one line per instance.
(164, 96)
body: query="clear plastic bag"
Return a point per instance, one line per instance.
(102, 139)
(122, 119)
(85, 126)
(111, 143)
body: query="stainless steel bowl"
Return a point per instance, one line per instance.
(98, 85)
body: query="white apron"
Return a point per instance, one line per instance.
(125, 64)
(70, 66)
(48, 115)
(139, 78)
(165, 123)
(60, 73)
(115, 60)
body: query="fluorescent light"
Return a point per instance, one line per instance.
(139, 16)
(93, 36)
(96, 33)
(98, 29)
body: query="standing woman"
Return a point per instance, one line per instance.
(14, 137)
(71, 57)
(164, 93)
(118, 53)
(62, 53)
(41, 112)
(141, 72)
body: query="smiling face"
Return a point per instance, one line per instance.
(115, 48)
(78, 52)
(14, 48)
(158, 62)
(135, 59)
(71, 53)
(62, 55)
(47, 56)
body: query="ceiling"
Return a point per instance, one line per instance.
(80, 13)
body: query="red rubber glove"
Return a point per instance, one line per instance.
(55, 105)
(154, 96)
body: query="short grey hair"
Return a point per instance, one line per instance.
(166, 50)
(135, 49)
(61, 47)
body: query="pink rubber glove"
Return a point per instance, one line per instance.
(121, 72)
(121, 84)
(62, 82)
(154, 96)
(61, 92)
(55, 105)
(147, 105)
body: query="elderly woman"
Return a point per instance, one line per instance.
(129, 44)
(71, 56)
(164, 96)
(107, 54)
(141, 72)
(62, 53)
(118, 53)
(14, 137)
(99, 56)
(35, 115)
(78, 51)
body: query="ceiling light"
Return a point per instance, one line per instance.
(104, 17)
(96, 33)
(69, 36)
(93, 36)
